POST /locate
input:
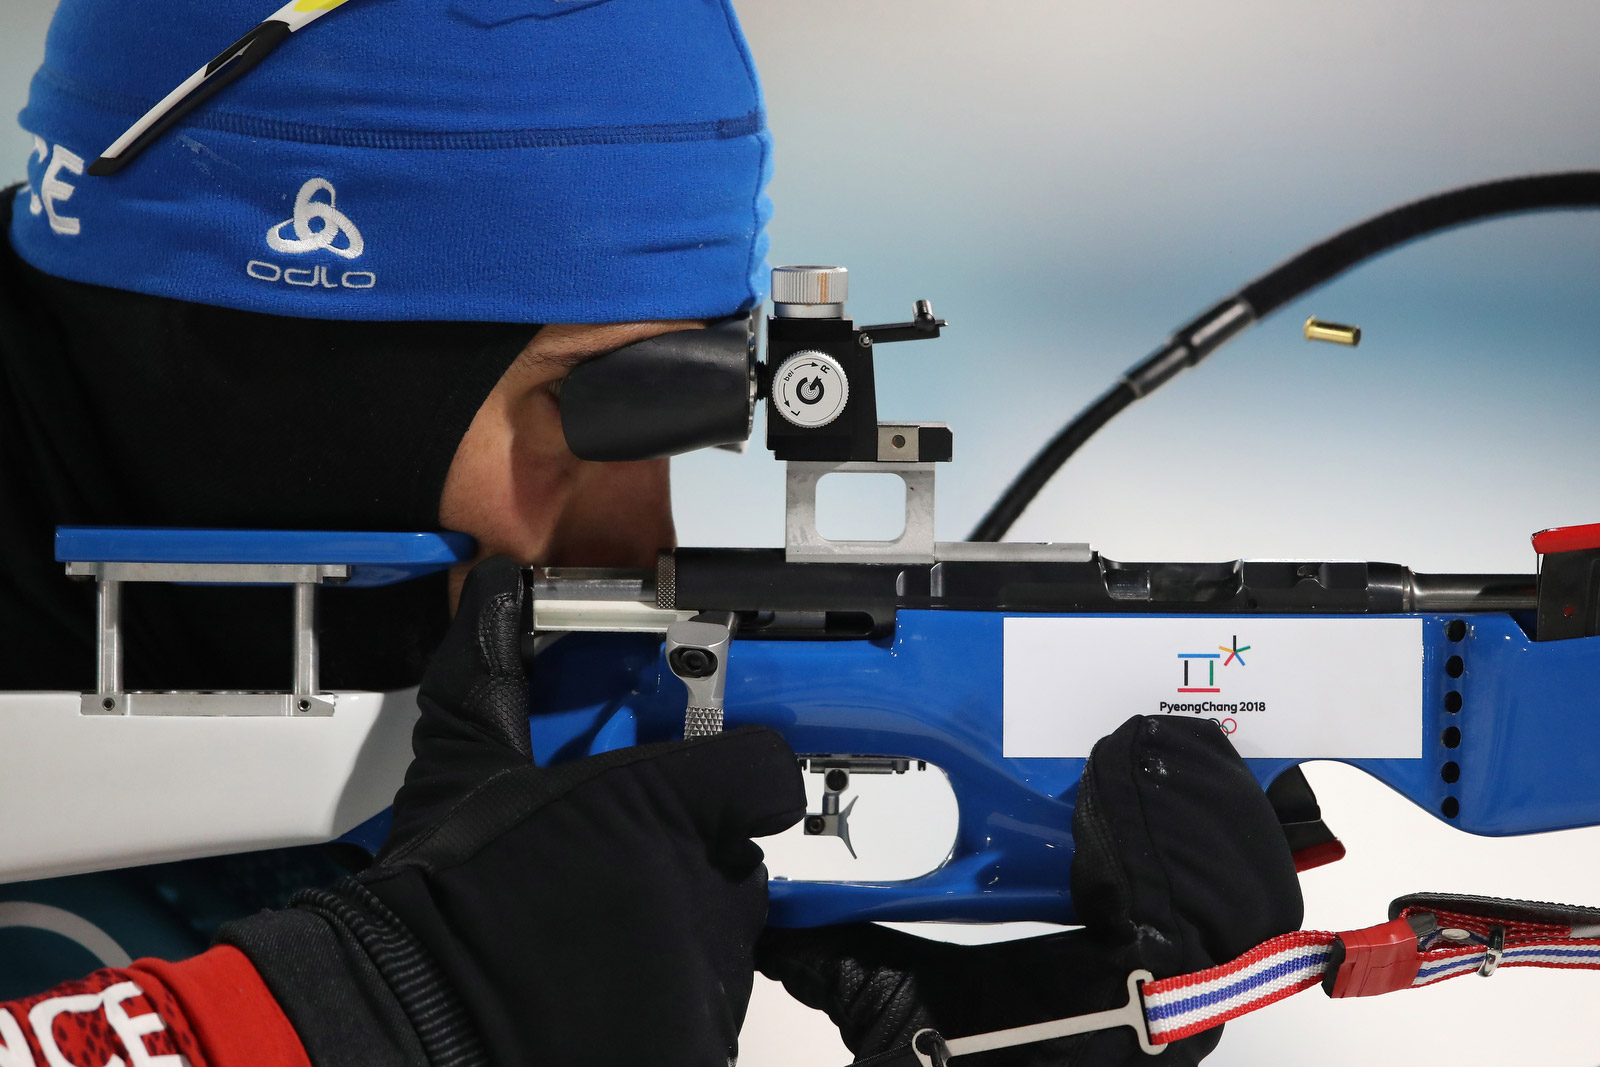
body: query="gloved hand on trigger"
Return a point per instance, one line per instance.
(603, 912)
(1180, 865)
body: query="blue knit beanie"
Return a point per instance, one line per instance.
(465, 160)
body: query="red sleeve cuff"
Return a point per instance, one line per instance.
(210, 1011)
(233, 1016)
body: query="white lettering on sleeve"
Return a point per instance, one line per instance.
(43, 1015)
(14, 1051)
(132, 1029)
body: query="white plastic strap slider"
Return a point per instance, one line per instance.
(1130, 1014)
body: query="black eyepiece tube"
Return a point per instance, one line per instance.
(674, 393)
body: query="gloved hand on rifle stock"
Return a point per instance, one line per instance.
(1181, 864)
(604, 911)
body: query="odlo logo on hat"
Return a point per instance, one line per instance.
(317, 226)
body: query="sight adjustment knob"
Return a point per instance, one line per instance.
(808, 291)
(810, 389)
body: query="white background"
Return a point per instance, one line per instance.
(1069, 181)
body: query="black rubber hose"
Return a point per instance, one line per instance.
(1421, 218)
(1311, 268)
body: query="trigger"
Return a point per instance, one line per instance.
(832, 821)
(844, 827)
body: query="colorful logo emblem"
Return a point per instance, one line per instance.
(1192, 661)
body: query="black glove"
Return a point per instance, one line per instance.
(1180, 865)
(601, 912)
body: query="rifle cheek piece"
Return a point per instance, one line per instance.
(664, 395)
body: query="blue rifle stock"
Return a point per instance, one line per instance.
(901, 661)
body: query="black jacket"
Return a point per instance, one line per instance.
(118, 408)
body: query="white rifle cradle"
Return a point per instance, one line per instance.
(84, 792)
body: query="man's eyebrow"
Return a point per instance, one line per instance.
(605, 340)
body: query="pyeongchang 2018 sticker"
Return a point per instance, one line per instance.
(1334, 688)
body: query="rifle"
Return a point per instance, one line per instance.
(1000, 664)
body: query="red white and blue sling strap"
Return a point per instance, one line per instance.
(1430, 937)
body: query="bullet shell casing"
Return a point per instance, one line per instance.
(1317, 330)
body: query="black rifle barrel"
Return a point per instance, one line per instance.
(862, 598)
(1474, 592)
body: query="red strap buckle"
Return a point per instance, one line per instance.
(1379, 959)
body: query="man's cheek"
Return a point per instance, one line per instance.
(619, 515)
